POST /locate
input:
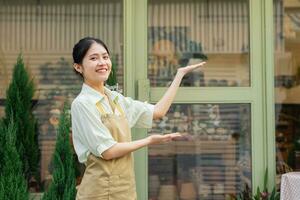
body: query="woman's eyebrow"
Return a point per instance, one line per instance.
(94, 54)
(97, 54)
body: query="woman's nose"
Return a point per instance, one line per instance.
(101, 61)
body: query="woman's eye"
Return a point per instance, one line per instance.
(105, 57)
(93, 58)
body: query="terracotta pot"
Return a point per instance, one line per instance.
(188, 191)
(167, 192)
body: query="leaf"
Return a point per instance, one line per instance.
(266, 181)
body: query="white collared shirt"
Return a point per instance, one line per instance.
(89, 133)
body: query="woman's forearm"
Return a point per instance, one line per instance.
(121, 149)
(163, 105)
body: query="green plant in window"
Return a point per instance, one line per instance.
(63, 183)
(18, 107)
(112, 79)
(294, 151)
(297, 144)
(12, 182)
(112, 82)
(260, 194)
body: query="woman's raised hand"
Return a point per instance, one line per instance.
(159, 139)
(163, 105)
(189, 68)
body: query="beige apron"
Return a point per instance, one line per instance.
(110, 179)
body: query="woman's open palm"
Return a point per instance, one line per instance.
(189, 68)
(160, 139)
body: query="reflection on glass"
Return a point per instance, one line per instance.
(211, 161)
(45, 33)
(287, 85)
(186, 32)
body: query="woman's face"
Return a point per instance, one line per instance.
(96, 64)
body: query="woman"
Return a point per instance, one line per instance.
(101, 122)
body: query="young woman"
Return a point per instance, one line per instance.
(101, 123)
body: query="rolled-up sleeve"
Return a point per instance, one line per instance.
(139, 114)
(89, 133)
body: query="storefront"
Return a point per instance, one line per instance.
(239, 114)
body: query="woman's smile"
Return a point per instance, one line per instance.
(102, 70)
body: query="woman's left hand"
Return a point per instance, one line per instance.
(163, 105)
(189, 68)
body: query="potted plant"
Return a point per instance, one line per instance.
(260, 194)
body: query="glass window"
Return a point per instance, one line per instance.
(45, 32)
(211, 161)
(287, 85)
(185, 32)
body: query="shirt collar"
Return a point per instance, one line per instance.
(96, 96)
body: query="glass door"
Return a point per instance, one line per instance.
(220, 109)
(213, 160)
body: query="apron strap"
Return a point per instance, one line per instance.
(114, 104)
(117, 105)
(100, 108)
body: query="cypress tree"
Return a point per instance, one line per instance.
(12, 181)
(2, 142)
(18, 107)
(63, 183)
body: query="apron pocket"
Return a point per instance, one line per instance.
(93, 187)
(122, 187)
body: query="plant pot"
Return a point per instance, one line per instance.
(188, 191)
(167, 192)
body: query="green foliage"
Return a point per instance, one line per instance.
(112, 79)
(63, 184)
(2, 142)
(18, 107)
(246, 194)
(297, 143)
(260, 195)
(12, 182)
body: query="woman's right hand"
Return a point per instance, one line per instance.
(160, 139)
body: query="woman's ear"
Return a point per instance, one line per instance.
(78, 68)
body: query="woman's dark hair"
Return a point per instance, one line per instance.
(82, 46)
